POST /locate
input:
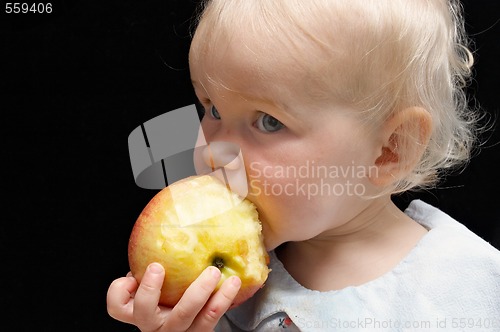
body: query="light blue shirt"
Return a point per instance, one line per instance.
(450, 281)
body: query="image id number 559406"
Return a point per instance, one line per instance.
(27, 8)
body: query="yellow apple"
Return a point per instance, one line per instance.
(192, 224)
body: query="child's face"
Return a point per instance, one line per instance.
(307, 167)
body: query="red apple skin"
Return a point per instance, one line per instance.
(146, 245)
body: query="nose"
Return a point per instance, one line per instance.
(224, 160)
(222, 154)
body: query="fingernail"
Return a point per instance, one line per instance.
(236, 281)
(215, 272)
(155, 268)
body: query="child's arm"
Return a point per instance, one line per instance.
(197, 310)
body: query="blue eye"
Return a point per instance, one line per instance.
(214, 113)
(268, 124)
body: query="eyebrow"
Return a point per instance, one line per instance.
(278, 107)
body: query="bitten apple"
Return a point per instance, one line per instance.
(192, 224)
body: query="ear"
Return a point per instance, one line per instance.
(404, 139)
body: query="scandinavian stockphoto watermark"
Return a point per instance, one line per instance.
(377, 323)
(162, 150)
(309, 179)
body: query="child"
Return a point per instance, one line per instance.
(336, 105)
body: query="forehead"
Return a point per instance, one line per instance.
(236, 47)
(237, 62)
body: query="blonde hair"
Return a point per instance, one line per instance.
(378, 56)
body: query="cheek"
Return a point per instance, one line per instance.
(281, 197)
(298, 199)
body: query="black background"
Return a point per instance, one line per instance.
(74, 84)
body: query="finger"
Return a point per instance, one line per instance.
(119, 299)
(146, 312)
(218, 304)
(193, 300)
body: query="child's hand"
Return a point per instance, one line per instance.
(197, 310)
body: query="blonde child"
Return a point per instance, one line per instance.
(336, 105)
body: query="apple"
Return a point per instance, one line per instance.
(192, 224)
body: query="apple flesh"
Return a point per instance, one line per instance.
(192, 224)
